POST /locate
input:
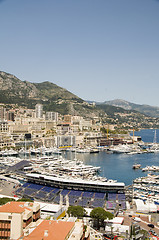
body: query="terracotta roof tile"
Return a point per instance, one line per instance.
(51, 230)
(12, 207)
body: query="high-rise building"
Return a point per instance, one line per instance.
(2, 113)
(52, 116)
(10, 116)
(39, 110)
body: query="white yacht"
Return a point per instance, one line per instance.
(76, 183)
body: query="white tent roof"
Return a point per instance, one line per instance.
(49, 207)
(116, 220)
(145, 207)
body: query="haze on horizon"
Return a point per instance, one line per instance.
(99, 50)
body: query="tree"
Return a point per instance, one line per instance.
(25, 200)
(4, 200)
(99, 215)
(144, 233)
(76, 211)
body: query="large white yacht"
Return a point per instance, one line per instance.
(76, 183)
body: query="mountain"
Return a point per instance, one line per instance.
(58, 99)
(145, 109)
(53, 97)
(13, 88)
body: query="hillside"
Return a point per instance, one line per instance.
(145, 109)
(58, 99)
(13, 88)
(53, 97)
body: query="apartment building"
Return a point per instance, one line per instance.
(2, 113)
(15, 216)
(39, 111)
(3, 126)
(6, 141)
(51, 116)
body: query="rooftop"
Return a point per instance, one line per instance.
(51, 230)
(12, 207)
(17, 207)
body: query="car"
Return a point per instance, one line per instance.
(153, 233)
(150, 225)
(105, 235)
(137, 219)
(108, 236)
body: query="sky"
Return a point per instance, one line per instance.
(99, 50)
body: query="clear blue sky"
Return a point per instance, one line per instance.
(98, 49)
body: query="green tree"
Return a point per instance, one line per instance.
(145, 234)
(99, 215)
(24, 200)
(76, 211)
(4, 200)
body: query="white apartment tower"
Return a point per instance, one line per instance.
(52, 116)
(39, 111)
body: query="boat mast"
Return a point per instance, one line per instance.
(155, 138)
(107, 131)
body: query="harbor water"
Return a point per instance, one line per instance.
(119, 166)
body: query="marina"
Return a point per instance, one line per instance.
(119, 166)
(61, 181)
(72, 176)
(108, 165)
(111, 166)
(147, 188)
(72, 169)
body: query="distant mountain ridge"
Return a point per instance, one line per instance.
(151, 111)
(58, 99)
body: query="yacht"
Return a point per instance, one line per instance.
(136, 166)
(146, 187)
(151, 168)
(76, 183)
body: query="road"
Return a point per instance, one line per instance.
(143, 223)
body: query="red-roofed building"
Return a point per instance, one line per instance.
(51, 230)
(56, 230)
(14, 216)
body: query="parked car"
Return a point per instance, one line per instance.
(150, 225)
(137, 219)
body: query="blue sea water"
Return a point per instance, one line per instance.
(147, 135)
(119, 166)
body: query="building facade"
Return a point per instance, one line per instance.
(39, 111)
(15, 216)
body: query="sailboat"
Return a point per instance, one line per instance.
(155, 145)
(155, 138)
